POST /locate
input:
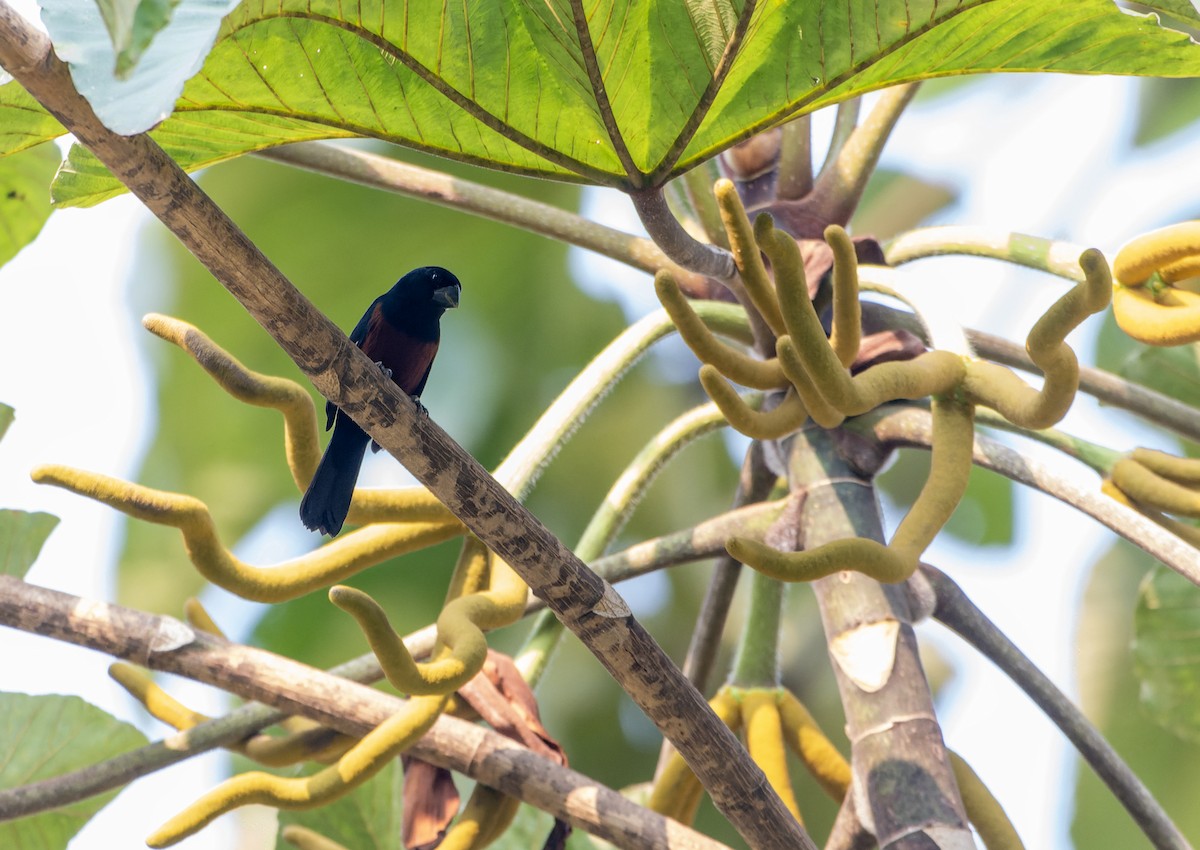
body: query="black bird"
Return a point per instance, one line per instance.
(400, 332)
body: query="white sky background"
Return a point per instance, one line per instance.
(1042, 155)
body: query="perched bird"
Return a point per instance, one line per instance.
(400, 332)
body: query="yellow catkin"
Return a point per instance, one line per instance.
(337, 560)
(301, 442)
(746, 254)
(1178, 469)
(457, 631)
(733, 364)
(1148, 488)
(764, 742)
(949, 471)
(1190, 534)
(487, 814)
(761, 425)
(1171, 318)
(1019, 403)
(983, 809)
(846, 335)
(1143, 255)
(820, 410)
(312, 744)
(304, 838)
(360, 763)
(161, 705)
(199, 618)
(818, 754)
(1184, 269)
(288, 397)
(864, 556)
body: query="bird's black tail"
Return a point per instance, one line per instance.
(325, 505)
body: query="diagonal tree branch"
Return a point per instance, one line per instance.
(162, 643)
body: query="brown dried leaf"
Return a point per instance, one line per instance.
(430, 804)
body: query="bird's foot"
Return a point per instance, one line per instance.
(422, 410)
(386, 371)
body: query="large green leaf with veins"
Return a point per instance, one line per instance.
(611, 92)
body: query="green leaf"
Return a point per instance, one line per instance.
(7, 415)
(507, 84)
(23, 121)
(25, 196)
(368, 818)
(21, 537)
(46, 736)
(1172, 371)
(132, 25)
(1181, 10)
(1167, 651)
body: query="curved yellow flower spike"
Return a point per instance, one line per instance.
(1151, 489)
(303, 838)
(746, 255)
(301, 441)
(761, 425)
(487, 814)
(502, 603)
(349, 554)
(764, 742)
(456, 629)
(1000, 389)
(823, 760)
(288, 397)
(1187, 533)
(983, 810)
(1174, 247)
(361, 762)
(846, 334)
(1163, 317)
(733, 364)
(1145, 304)
(950, 469)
